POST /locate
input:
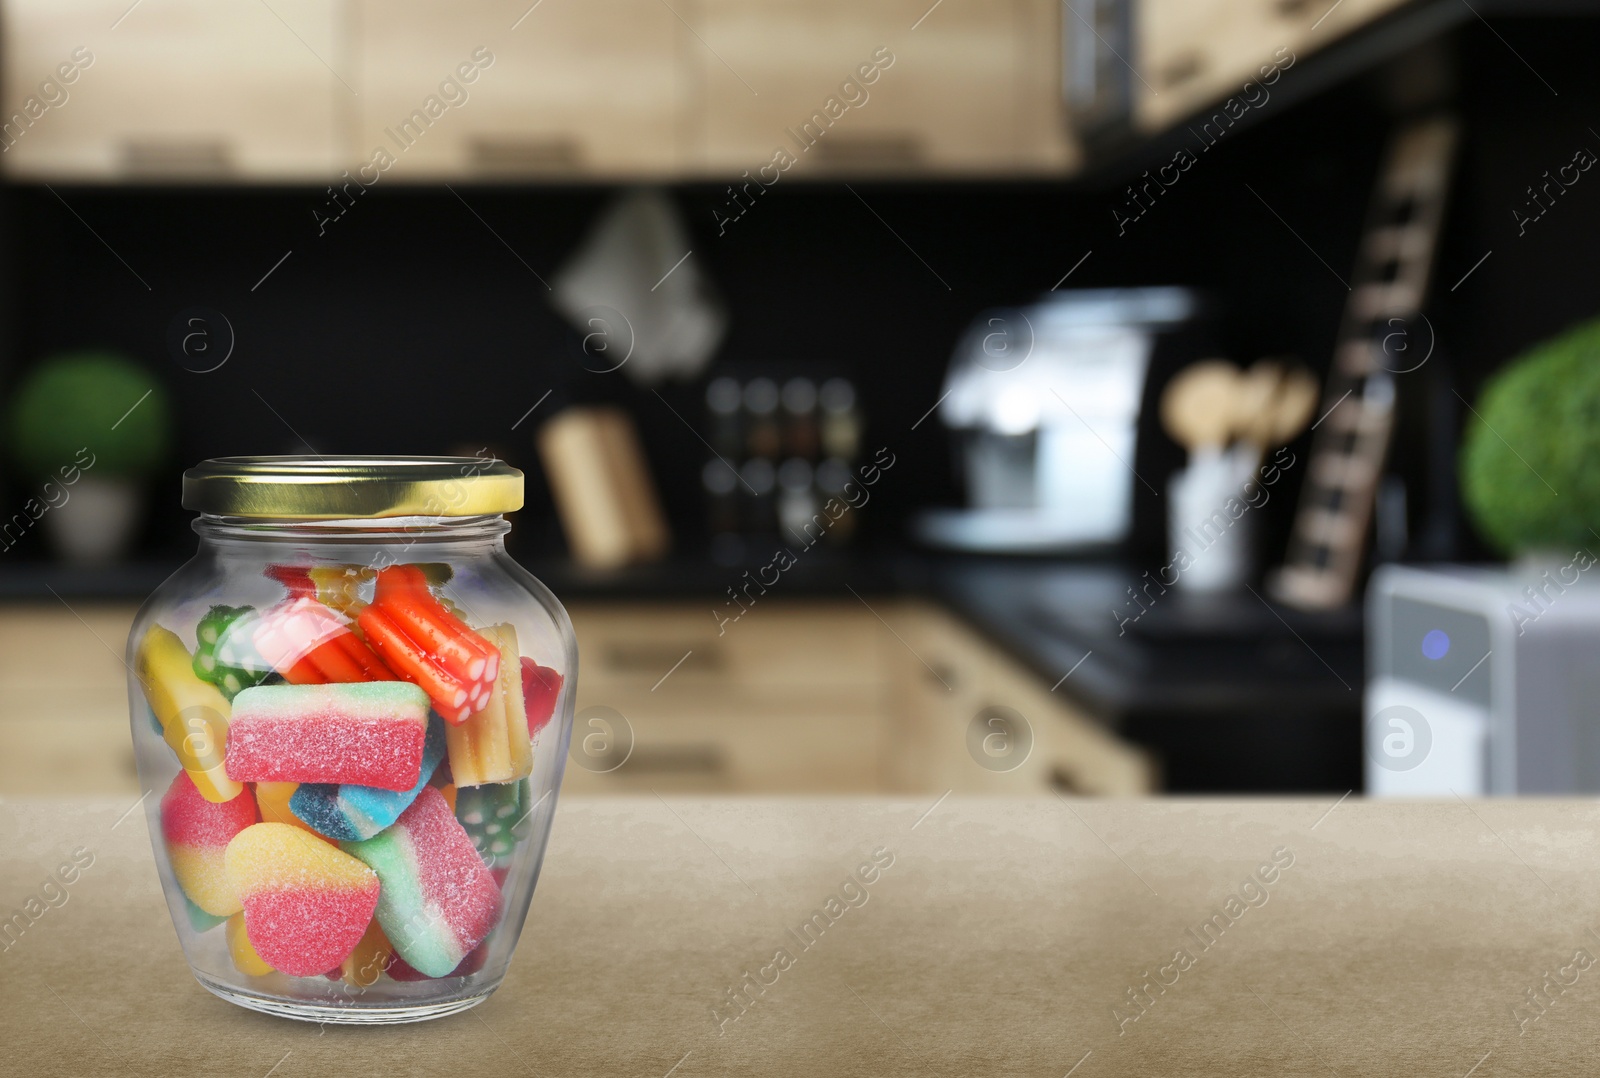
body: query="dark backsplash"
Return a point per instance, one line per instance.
(410, 327)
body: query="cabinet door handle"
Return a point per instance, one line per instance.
(644, 657)
(1293, 9)
(511, 156)
(690, 759)
(868, 152)
(180, 158)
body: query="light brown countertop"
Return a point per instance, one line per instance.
(1004, 938)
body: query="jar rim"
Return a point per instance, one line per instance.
(351, 488)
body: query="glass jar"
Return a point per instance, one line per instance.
(350, 712)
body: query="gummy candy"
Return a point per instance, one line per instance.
(438, 900)
(306, 904)
(197, 833)
(368, 733)
(356, 812)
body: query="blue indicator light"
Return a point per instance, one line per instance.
(1436, 644)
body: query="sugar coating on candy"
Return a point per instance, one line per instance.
(245, 958)
(197, 833)
(400, 971)
(354, 812)
(438, 900)
(189, 818)
(367, 733)
(306, 904)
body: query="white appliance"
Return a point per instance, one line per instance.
(1483, 681)
(1045, 401)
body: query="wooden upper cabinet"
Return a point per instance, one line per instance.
(1045, 139)
(1195, 53)
(425, 90)
(891, 86)
(561, 88)
(203, 89)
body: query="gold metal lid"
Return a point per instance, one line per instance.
(347, 488)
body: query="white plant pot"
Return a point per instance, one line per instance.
(96, 523)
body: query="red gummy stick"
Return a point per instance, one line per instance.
(410, 663)
(336, 664)
(357, 649)
(449, 645)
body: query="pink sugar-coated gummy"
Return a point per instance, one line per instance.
(197, 833)
(190, 820)
(306, 904)
(369, 734)
(450, 870)
(305, 931)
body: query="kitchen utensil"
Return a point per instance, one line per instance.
(1258, 391)
(1201, 405)
(1291, 409)
(1274, 404)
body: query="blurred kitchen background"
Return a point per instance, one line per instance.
(913, 396)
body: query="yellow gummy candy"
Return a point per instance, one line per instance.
(203, 875)
(276, 857)
(371, 958)
(244, 954)
(492, 745)
(273, 798)
(193, 713)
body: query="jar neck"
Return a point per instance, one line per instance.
(417, 531)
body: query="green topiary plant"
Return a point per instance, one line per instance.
(83, 399)
(1530, 461)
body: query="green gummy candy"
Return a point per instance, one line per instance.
(495, 818)
(199, 919)
(218, 656)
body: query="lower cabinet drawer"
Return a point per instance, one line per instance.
(775, 646)
(639, 746)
